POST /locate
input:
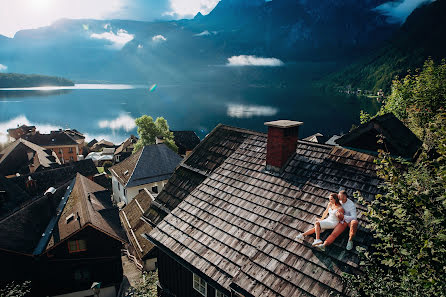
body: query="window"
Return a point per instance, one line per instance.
(199, 285)
(119, 186)
(219, 294)
(71, 158)
(75, 246)
(70, 150)
(60, 151)
(155, 189)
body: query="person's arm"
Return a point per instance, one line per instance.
(340, 214)
(325, 213)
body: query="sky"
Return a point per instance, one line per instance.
(17, 15)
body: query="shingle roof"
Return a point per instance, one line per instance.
(93, 204)
(185, 140)
(21, 230)
(131, 140)
(150, 164)
(134, 226)
(398, 139)
(239, 225)
(219, 144)
(55, 138)
(15, 158)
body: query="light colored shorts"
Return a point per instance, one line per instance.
(328, 224)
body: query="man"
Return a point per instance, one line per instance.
(350, 220)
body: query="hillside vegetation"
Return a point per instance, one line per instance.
(16, 80)
(420, 37)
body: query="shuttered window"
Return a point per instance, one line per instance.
(75, 246)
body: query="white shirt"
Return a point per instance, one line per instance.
(349, 210)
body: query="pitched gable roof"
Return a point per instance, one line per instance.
(398, 139)
(131, 140)
(55, 138)
(150, 164)
(185, 140)
(15, 158)
(238, 226)
(135, 227)
(90, 204)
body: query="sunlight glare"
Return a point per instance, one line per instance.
(40, 4)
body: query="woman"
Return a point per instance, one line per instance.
(335, 214)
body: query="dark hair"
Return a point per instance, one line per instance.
(335, 197)
(343, 192)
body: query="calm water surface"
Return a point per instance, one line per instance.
(108, 110)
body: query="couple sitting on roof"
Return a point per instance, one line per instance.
(341, 213)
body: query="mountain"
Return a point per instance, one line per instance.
(420, 37)
(130, 51)
(15, 80)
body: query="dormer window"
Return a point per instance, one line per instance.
(126, 172)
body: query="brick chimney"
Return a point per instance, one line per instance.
(282, 143)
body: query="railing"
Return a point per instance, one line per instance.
(133, 259)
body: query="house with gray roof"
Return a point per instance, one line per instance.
(149, 168)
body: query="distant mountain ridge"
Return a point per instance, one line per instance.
(15, 80)
(290, 30)
(420, 37)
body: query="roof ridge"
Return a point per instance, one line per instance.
(84, 202)
(136, 165)
(232, 128)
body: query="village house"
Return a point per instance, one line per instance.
(125, 149)
(397, 139)
(227, 220)
(23, 157)
(67, 239)
(149, 168)
(66, 148)
(136, 227)
(100, 145)
(99, 158)
(186, 141)
(18, 132)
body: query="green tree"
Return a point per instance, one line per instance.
(418, 98)
(148, 130)
(409, 224)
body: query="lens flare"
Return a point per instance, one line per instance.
(153, 88)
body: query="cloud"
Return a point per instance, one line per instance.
(3, 68)
(159, 38)
(248, 111)
(188, 9)
(244, 60)
(124, 122)
(206, 33)
(398, 11)
(118, 40)
(23, 120)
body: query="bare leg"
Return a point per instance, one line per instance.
(353, 228)
(317, 229)
(309, 232)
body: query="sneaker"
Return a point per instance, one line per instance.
(321, 247)
(317, 242)
(300, 237)
(349, 245)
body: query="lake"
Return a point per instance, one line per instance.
(108, 110)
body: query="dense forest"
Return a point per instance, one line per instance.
(419, 38)
(16, 80)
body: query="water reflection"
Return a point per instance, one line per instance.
(31, 93)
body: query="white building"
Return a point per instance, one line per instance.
(149, 168)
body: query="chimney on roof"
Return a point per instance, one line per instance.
(282, 143)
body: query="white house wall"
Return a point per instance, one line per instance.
(118, 192)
